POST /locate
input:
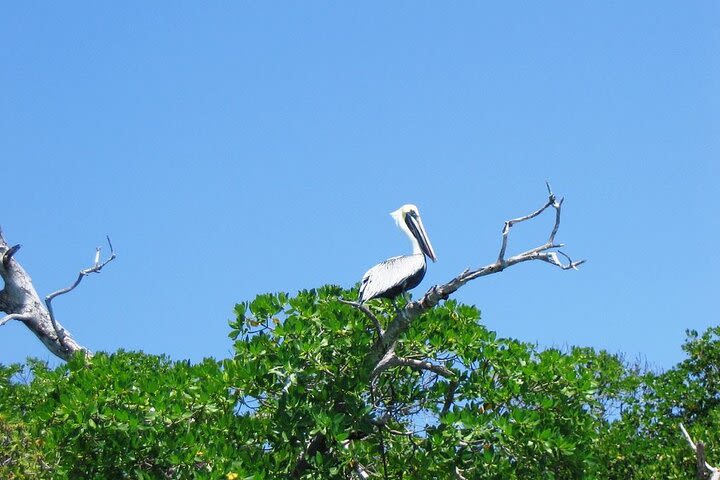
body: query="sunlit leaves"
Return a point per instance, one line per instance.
(144, 414)
(299, 372)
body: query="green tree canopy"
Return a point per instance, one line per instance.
(301, 398)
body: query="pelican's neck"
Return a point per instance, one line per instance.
(415, 244)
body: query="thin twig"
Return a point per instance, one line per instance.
(94, 269)
(570, 263)
(7, 255)
(558, 207)
(367, 312)
(14, 316)
(509, 223)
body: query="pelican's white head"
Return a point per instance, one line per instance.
(408, 219)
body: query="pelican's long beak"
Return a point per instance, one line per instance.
(414, 223)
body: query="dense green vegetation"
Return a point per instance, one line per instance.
(300, 373)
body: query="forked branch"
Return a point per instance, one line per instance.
(547, 252)
(20, 301)
(97, 266)
(13, 316)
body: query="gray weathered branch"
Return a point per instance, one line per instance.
(368, 313)
(547, 252)
(14, 316)
(391, 360)
(97, 266)
(20, 301)
(700, 454)
(9, 254)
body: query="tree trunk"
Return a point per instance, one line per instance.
(20, 301)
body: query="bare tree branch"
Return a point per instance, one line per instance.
(87, 271)
(423, 365)
(367, 312)
(20, 301)
(385, 363)
(14, 316)
(508, 224)
(546, 252)
(9, 253)
(700, 453)
(391, 360)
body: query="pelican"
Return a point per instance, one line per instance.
(399, 274)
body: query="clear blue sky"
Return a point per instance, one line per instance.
(235, 148)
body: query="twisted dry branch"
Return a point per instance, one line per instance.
(547, 252)
(20, 301)
(96, 268)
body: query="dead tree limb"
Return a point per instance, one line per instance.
(59, 331)
(547, 252)
(14, 316)
(391, 360)
(21, 302)
(703, 467)
(367, 312)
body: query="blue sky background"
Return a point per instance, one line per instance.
(235, 148)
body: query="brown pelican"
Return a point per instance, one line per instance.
(399, 274)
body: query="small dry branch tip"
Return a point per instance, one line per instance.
(13, 316)
(9, 254)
